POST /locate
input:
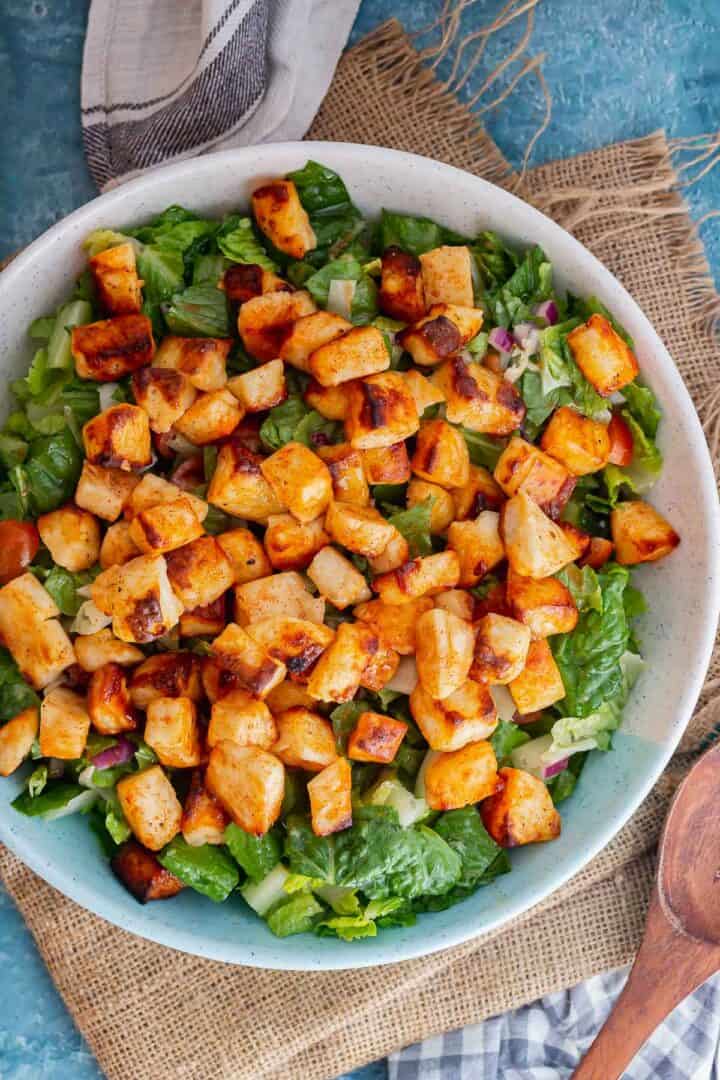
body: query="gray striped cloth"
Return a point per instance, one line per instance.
(164, 80)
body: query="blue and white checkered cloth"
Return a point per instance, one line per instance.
(546, 1040)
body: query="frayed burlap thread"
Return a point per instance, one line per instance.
(151, 1013)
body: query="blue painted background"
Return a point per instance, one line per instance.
(615, 70)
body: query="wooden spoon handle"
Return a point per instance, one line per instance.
(668, 967)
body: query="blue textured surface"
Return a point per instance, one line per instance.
(615, 70)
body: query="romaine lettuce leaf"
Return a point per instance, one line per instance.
(465, 833)
(198, 311)
(63, 587)
(414, 524)
(506, 736)
(257, 855)
(296, 915)
(239, 241)
(294, 421)
(15, 693)
(415, 235)
(364, 306)
(336, 221)
(207, 868)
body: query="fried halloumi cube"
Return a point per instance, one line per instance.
(381, 411)
(461, 777)
(478, 546)
(535, 546)
(203, 820)
(347, 473)
(581, 444)
(64, 724)
(578, 540)
(164, 394)
(337, 579)
(107, 350)
(150, 806)
(277, 594)
(521, 811)
(501, 650)
(283, 218)
(419, 577)
(338, 672)
(359, 352)
(330, 401)
(142, 875)
(640, 533)
(481, 492)
(249, 783)
(441, 455)
(154, 491)
(290, 544)
(540, 684)
(441, 333)
(118, 546)
(139, 597)
(212, 417)
(605, 360)
(165, 527)
(242, 281)
(104, 492)
(395, 624)
(387, 464)
(288, 695)
(108, 701)
(261, 388)
(200, 572)
(246, 554)
(201, 360)
(401, 286)
(172, 730)
(443, 652)
(205, 619)
(426, 393)
(171, 674)
(118, 437)
(447, 276)
(598, 552)
(305, 740)
(522, 467)
(297, 643)
(118, 287)
(381, 667)
(238, 486)
(93, 651)
(458, 601)
(29, 628)
(72, 536)
(360, 529)
(478, 398)
(391, 557)
(545, 606)
(442, 507)
(467, 715)
(243, 719)
(300, 480)
(250, 662)
(376, 738)
(330, 798)
(16, 739)
(306, 335)
(265, 322)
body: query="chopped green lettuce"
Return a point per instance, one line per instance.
(208, 869)
(239, 241)
(294, 421)
(414, 524)
(198, 311)
(257, 855)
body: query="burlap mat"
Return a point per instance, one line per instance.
(149, 1012)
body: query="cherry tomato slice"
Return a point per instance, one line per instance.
(621, 441)
(19, 543)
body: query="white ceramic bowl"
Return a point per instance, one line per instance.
(677, 634)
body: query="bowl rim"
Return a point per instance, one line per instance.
(61, 877)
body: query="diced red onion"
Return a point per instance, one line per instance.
(547, 311)
(501, 339)
(548, 771)
(527, 337)
(119, 754)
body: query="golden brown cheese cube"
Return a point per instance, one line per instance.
(30, 630)
(172, 730)
(441, 333)
(265, 322)
(376, 738)
(305, 740)
(243, 719)
(238, 486)
(361, 529)
(108, 701)
(461, 777)
(540, 684)
(598, 552)
(546, 606)
(249, 783)
(118, 546)
(465, 716)
(165, 527)
(387, 464)
(522, 467)
(401, 286)
(578, 540)
(426, 393)
(212, 417)
(443, 652)
(154, 491)
(139, 597)
(300, 480)
(481, 492)
(290, 544)
(297, 643)
(246, 554)
(381, 411)
(150, 807)
(393, 556)
(347, 473)
(64, 724)
(602, 355)
(478, 546)
(283, 218)
(253, 666)
(93, 651)
(395, 624)
(458, 601)
(306, 335)
(16, 740)
(330, 401)
(442, 508)
(259, 389)
(72, 536)
(441, 455)
(173, 674)
(201, 360)
(381, 667)
(203, 820)
(534, 545)
(581, 444)
(521, 811)
(142, 875)
(330, 799)
(337, 674)
(243, 281)
(278, 594)
(164, 394)
(337, 579)
(118, 287)
(104, 492)
(640, 533)
(118, 437)
(447, 276)
(359, 352)
(479, 399)
(107, 350)
(204, 620)
(288, 695)
(199, 572)
(419, 577)
(501, 650)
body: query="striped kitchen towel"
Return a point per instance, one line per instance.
(164, 80)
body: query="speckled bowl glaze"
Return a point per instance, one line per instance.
(677, 634)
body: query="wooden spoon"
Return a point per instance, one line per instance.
(681, 946)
